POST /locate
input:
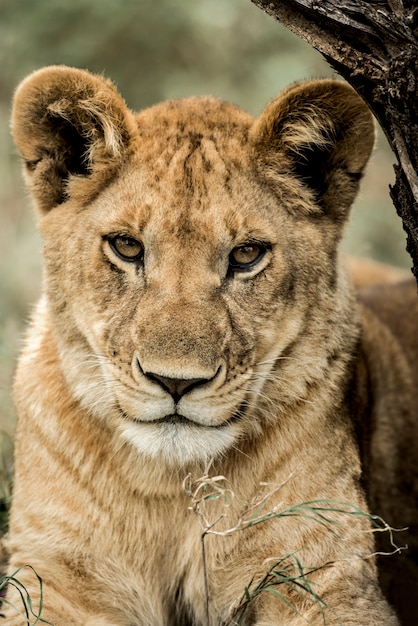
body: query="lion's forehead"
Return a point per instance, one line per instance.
(189, 140)
(185, 164)
(186, 184)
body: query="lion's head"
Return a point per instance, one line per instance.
(190, 252)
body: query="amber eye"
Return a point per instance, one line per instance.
(127, 248)
(245, 257)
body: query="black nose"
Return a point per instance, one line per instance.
(176, 387)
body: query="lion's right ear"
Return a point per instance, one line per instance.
(68, 123)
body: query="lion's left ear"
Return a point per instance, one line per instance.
(323, 133)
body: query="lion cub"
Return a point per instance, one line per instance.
(199, 346)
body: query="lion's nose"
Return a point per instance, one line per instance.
(176, 387)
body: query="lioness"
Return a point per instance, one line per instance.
(198, 322)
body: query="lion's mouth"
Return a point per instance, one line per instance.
(177, 419)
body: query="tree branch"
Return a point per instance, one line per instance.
(373, 44)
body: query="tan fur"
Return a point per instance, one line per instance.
(367, 272)
(138, 374)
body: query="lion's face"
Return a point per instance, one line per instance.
(184, 259)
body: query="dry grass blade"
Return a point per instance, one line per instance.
(30, 613)
(287, 572)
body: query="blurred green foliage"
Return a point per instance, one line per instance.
(152, 49)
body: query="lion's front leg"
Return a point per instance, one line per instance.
(63, 614)
(31, 599)
(342, 603)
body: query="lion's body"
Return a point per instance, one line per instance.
(197, 315)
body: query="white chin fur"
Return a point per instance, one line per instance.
(179, 444)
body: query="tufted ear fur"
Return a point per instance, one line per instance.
(68, 125)
(323, 133)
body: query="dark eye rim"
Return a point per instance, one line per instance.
(138, 258)
(246, 267)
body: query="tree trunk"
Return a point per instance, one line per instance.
(373, 44)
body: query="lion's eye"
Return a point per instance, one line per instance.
(127, 248)
(245, 257)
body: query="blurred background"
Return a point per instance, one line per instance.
(153, 50)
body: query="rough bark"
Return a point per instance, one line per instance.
(373, 44)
